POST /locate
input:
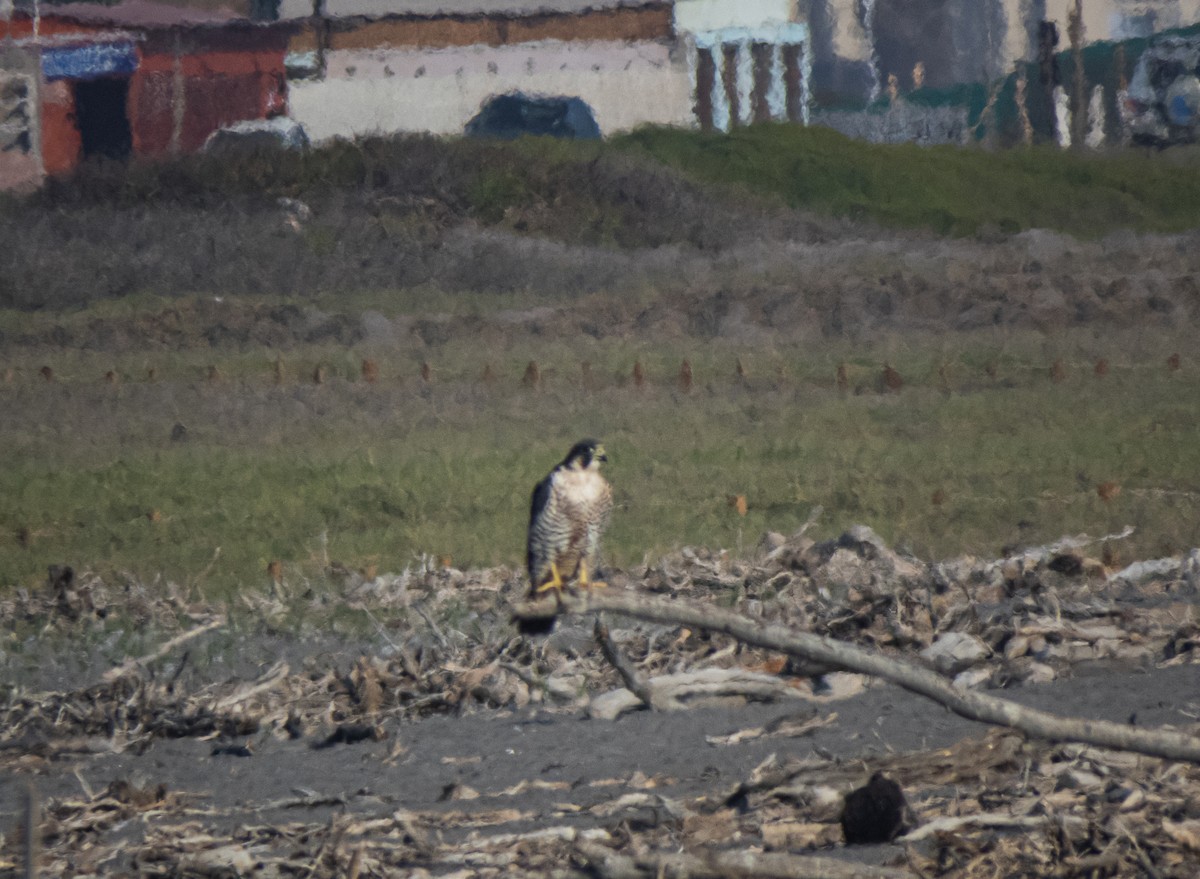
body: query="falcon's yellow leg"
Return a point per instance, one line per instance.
(584, 583)
(555, 581)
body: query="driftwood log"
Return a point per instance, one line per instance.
(1166, 743)
(727, 865)
(130, 666)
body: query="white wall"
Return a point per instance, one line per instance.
(438, 91)
(709, 15)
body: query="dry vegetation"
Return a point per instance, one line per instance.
(996, 804)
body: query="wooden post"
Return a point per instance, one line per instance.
(1078, 84)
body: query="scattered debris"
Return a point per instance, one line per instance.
(999, 804)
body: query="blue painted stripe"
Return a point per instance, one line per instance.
(89, 61)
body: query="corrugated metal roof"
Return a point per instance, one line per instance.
(136, 14)
(152, 14)
(497, 7)
(463, 8)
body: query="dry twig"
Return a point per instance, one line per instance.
(1170, 744)
(635, 682)
(131, 665)
(724, 865)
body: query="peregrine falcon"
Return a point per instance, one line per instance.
(569, 512)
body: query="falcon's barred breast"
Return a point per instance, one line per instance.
(567, 517)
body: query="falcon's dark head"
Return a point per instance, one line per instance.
(586, 454)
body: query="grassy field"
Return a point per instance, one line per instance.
(950, 190)
(642, 249)
(380, 474)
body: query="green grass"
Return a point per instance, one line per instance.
(383, 474)
(635, 189)
(950, 190)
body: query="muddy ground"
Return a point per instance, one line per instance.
(463, 749)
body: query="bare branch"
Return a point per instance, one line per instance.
(728, 865)
(1166, 743)
(635, 682)
(131, 665)
(276, 675)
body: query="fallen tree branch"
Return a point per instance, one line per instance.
(274, 676)
(131, 665)
(634, 682)
(1169, 744)
(727, 865)
(988, 819)
(675, 692)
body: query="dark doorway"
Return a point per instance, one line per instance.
(101, 117)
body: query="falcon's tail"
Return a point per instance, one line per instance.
(536, 625)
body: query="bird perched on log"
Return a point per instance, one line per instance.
(567, 516)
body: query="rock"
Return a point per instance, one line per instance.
(611, 705)
(376, 327)
(1018, 645)
(1040, 673)
(954, 651)
(874, 813)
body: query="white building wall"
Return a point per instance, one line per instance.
(439, 90)
(710, 15)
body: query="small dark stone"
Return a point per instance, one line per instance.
(352, 733)
(536, 625)
(874, 813)
(232, 751)
(294, 727)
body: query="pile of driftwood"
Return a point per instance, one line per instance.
(1040, 796)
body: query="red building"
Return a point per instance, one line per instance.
(135, 79)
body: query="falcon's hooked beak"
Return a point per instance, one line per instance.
(599, 454)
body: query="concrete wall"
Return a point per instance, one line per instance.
(20, 125)
(191, 83)
(390, 90)
(710, 15)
